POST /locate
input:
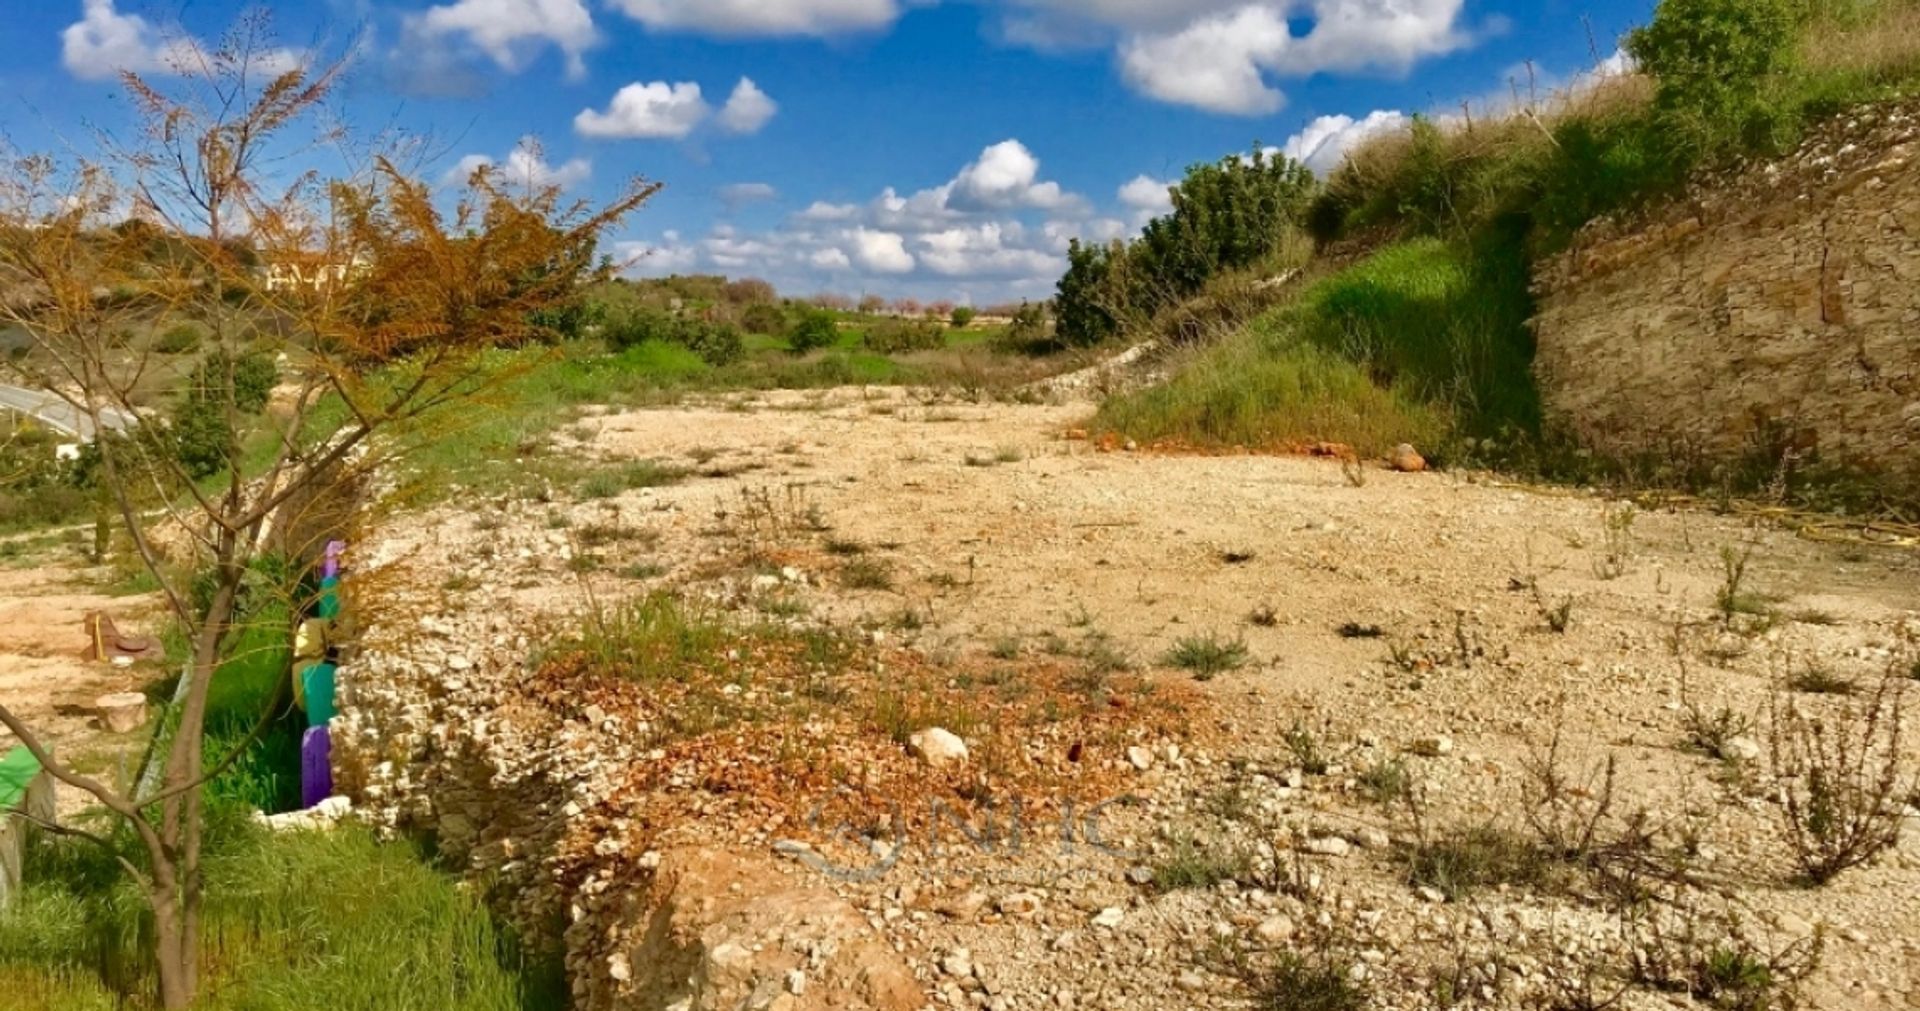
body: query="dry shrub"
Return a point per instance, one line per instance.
(1841, 781)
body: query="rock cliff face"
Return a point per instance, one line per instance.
(1770, 319)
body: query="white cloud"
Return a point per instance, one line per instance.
(992, 249)
(1323, 144)
(1222, 55)
(762, 17)
(105, 43)
(829, 259)
(656, 110)
(881, 252)
(1215, 63)
(737, 195)
(1148, 196)
(526, 165)
(747, 109)
(510, 31)
(1005, 175)
(820, 210)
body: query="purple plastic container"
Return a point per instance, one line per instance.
(330, 563)
(316, 766)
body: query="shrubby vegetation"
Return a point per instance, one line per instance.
(1226, 216)
(1426, 339)
(894, 336)
(716, 343)
(816, 328)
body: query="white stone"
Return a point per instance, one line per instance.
(1329, 846)
(938, 747)
(1141, 758)
(1274, 929)
(1110, 917)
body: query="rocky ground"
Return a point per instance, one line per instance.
(46, 593)
(1271, 699)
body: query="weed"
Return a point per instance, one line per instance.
(1733, 598)
(1818, 679)
(1309, 749)
(1464, 861)
(1006, 647)
(842, 548)
(907, 619)
(1207, 656)
(1315, 981)
(1558, 616)
(1841, 782)
(1189, 864)
(1385, 780)
(1353, 471)
(1712, 733)
(643, 570)
(1714, 961)
(605, 484)
(866, 574)
(657, 637)
(1103, 656)
(782, 605)
(1616, 540)
(459, 582)
(1565, 814)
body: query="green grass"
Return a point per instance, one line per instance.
(1207, 656)
(296, 921)
(1424, 342)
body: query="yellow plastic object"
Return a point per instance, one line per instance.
(310, 641)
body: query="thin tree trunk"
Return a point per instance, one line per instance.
(171, 955)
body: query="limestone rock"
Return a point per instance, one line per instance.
(717, 928)
(1406, 459)
(938, 747)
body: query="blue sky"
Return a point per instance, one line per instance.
(943, 149)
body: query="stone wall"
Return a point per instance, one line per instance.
(1773, 314)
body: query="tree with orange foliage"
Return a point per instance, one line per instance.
(379, 344)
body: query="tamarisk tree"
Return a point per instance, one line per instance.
(374, 296)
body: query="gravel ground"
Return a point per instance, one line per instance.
(1405, 620)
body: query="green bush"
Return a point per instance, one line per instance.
(764, 318)
(716, 343)
(1226, 216)
(179, 339)
(894, 336)
(222, 392)
(1711, 57)
(963, 317)
(815, 329)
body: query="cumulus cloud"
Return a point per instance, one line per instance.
(1222, 55)
(829, 259)
(1005, 175)
(882, 252)
(650, 111)
(511, 32)
(525, 165)
(761, 17)
(105, 43)
(1148, 196)
(747, 109)
(1323, 144)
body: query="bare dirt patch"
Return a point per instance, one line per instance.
(44, 602)
(1336, 646)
